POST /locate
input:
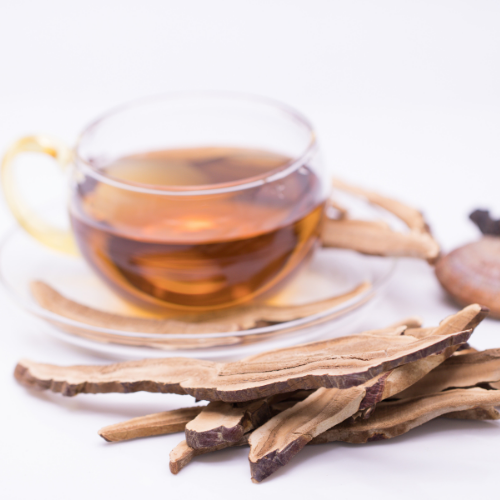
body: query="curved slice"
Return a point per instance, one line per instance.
(466, 370)
(150, 375)
(338, 363)
(371, 238)
(222, 423)
(165, 422)
(230, 320)
(394, 418)
(275, 443)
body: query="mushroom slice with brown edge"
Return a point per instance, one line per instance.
(341, 362)
(376, 237)
(166, 422)
(221, 423)
(391, 419)
(275, 443)
(228, 320)
(466, 370)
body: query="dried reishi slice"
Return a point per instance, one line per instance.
(376, 237)
(466, 370)
(155, 424)
(471, 273)
(229, 320)
(223, 423)
(281, 438)
(391, 419)
(341, 362)
(53, 301)
(275, 443)
(371, 238)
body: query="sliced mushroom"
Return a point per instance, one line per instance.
(342, 363)
(155, 424)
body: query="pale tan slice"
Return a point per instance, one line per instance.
(53, 301)
(281, 438)
(369, 237)
(466, 370)
(229, 320)
(225, 423)
(391, 419)
(479, 413)
(341, 362)
(376, 237)
(166, 422)
(275, 443)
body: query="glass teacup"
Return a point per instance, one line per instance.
(189, 200)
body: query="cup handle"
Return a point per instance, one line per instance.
(29, 219)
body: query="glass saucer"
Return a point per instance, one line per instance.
(330, 272)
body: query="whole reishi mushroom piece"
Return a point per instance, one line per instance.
(471, 273)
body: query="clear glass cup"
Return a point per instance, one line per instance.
(196, 200)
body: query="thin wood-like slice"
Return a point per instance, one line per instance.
(376, 238)
(391, 419)
(53, 301)
(230, 320)
(371, 238)
(337, 363)
(281, 438)
(409, 215)
(397, 380)
(166, 422)
(466, 370)
(224, 423)
(275, 443)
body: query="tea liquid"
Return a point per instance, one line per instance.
(197, 251)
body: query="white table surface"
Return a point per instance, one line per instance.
(406, 99)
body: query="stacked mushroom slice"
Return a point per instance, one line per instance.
(374, 385)
(376, 237)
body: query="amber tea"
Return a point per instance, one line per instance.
(197, 250)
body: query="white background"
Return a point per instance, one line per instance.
(406, 99)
